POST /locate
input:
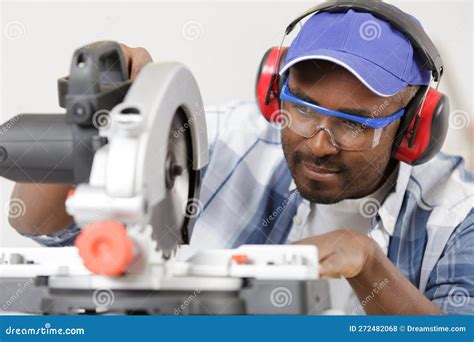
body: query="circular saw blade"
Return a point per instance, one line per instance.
(168, 219)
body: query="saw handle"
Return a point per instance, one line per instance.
(98, 80)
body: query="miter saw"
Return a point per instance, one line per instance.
(135, 150)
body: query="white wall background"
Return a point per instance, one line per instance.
(221, 42)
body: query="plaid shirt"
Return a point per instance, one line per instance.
(248, 197)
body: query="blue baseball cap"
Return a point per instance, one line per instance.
(380, 56)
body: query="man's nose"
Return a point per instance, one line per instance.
(321, 143)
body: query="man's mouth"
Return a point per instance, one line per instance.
(318, 173)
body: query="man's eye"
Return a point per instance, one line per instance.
(352, 124)
(302, 109)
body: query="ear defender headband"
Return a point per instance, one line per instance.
(423, 127)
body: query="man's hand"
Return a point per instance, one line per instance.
(136, 59)
(342, 253)
(359, 259)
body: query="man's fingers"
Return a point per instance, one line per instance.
(140, 57)
(331, 267)
(323, 248)
(135, 59)
(126, 55)
(341, 252)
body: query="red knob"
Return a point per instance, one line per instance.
(105, 248)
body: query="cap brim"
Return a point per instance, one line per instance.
(374, 77)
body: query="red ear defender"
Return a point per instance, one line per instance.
(426, 131)
(268, 83)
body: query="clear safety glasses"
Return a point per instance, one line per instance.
(347, 132)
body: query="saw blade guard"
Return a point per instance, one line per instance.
(148, 174)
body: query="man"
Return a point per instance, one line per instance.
(401, 236)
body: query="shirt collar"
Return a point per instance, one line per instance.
(390, 208)
(292, 186)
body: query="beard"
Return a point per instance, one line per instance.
(362, 177)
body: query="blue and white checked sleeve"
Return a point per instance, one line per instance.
(67, 236)
(451, 284)
(62, 238)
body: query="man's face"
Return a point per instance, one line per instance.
(322, 172)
